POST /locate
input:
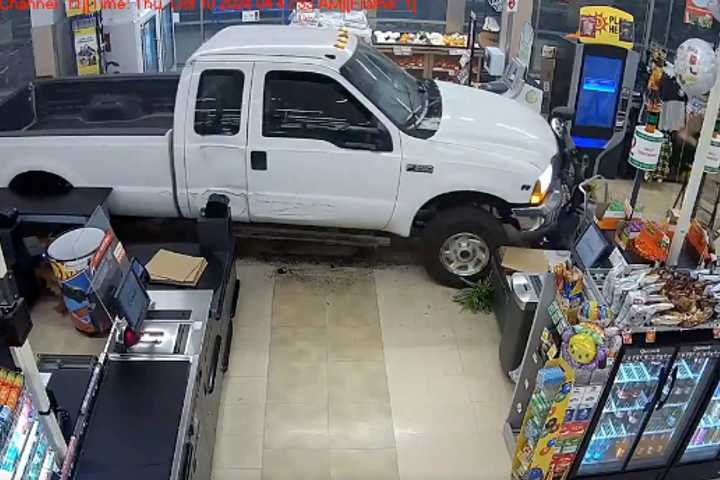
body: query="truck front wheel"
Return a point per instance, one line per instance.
(459, 244)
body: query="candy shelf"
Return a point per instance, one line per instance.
(27, 451)
(23, 409)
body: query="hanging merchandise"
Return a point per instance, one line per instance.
(87, 51)
(697, 12)
(663, 168)
(497, 5)
(695, 67)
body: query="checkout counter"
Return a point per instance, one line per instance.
(148, 411)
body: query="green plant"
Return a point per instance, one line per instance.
(476, 298)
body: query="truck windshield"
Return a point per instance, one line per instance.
(405, 100)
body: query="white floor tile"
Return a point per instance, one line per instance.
(426, 416)
(238, 451)
(457, 456)
(237, 474)
(245, 390)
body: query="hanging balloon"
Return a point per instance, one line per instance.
(712, 165)
(695, 67)
(714, 7)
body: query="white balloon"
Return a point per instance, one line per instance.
(695, 67)
(714, 7)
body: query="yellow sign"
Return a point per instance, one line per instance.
(74, 8)
(87, 52)
(606, 26)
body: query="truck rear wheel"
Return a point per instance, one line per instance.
(459, 244)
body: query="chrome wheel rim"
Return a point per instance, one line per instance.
(464, 254)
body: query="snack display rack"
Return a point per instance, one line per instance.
(544, 417)
(440, 63)
(652, 404)
(26, 453)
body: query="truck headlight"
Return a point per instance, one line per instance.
(542, 186)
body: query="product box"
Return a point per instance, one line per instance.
(489, 39)
(548, 51)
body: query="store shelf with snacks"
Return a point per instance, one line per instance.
(435, 62)
(543, 420)
(32, 470)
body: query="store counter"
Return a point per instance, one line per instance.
(155, 412)
(73, 207)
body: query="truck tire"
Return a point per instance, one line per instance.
(459, 244)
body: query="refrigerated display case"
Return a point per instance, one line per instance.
(705, 441)
(647, 410)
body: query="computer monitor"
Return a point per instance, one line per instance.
(591, 247)
(132, 300)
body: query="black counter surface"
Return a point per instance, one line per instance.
(80, 202)
(133, 428)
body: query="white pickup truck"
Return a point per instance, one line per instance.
(296, 126)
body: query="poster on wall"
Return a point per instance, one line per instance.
(696, 12)
(87, 54)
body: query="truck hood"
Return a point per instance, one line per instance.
(478, 119)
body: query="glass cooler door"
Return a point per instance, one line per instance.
(705, 441)
(631, 395)
(684, 390)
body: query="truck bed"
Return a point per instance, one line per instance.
(102, 105)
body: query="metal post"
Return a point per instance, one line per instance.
(669, 23)
(202, 21)
(25, 360)
(696, 175)
(639, 174)
(649, 15)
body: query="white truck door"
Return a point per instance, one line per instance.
(318, 152)
(216, 135)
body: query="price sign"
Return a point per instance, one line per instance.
(512, 5)
(250, 16)
(402, 51)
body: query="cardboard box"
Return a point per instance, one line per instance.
(489, 39)
(528, 260)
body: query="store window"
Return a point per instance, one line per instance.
(403, 15)
(16, 52)
(312, 106)
(219, 102)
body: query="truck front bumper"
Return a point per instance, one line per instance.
(535, 222)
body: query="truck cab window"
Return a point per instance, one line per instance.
(219, 102)
(313, 106)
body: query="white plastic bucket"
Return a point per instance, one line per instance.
(70, 255)
(645, 152)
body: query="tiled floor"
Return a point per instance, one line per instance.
(349, 374)
(370, 375)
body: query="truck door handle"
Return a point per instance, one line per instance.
(258, 160)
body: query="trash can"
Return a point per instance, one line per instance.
(71, 258)
(517, 310)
